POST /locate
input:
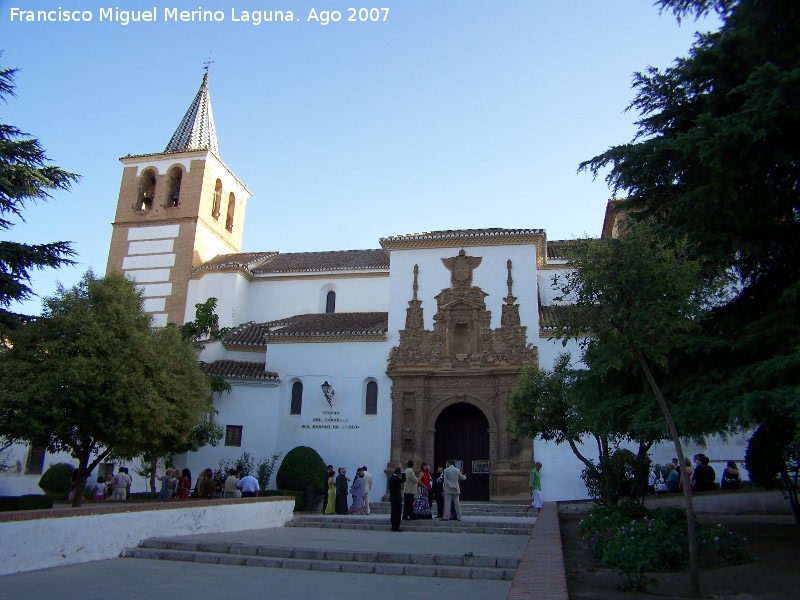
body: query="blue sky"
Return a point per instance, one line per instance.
(447, 115)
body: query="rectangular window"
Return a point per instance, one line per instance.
(233, 435)
(34, 465)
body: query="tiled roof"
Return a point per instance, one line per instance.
(242, 260)
(551, 316)
(240, 369)
(341, 260)
(308, 328)
(196, 130)
(462, 233)
(555, 249)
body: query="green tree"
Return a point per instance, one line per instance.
(569, 405)
(25, 176)
(716, 158)
(207, 432)
(638, 297)
(90, 377)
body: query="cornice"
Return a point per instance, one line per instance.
(325, 339)
(459, 239)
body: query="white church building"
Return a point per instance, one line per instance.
(374, 357)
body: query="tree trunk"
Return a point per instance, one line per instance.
(790, 486)
(153, 467)
(694, 569)
(84, 468)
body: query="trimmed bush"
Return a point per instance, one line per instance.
(57, 479)
(302, 470)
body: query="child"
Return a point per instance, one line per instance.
(100, 489)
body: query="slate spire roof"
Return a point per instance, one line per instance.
(196, 130)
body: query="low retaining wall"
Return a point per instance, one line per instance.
(740, 502)
(52, 538)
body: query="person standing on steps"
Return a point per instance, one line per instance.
(396, 497)
(535, 483)
(438, 492)
(367, 488)
(452, 490)
(409, 491)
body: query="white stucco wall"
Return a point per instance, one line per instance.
(14, 481)
(561, 469)
(54, 542)
(347, 438)
(265, 299)
(253, 406)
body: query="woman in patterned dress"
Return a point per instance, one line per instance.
(422, 505)
(166, 486)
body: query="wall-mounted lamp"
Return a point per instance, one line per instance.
(328, 392)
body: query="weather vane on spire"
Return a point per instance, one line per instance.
(208, 63)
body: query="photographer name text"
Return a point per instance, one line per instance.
(175, 15)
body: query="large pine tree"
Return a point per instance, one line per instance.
(716, 158)
(25, 176)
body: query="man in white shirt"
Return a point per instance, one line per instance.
(122, 482)
(248, 486)
(367, 488)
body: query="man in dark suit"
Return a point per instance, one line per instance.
(438, 492)
(396, 497)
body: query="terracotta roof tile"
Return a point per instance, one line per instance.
(551, 316)
(242, 260)
(555, 249)
(339, 260)
(305, 327)
(240, 369)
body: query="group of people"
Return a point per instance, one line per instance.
(177, 483)
(701, 476)
(410, 493)
(117, 487)
(337, 485)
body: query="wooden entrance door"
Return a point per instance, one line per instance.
(462, 433)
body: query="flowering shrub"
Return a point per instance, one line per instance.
(634, 541)
(720, 547)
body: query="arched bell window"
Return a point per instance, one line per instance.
(175, 177)
(231, 210)
(215, 206)
(147, 190)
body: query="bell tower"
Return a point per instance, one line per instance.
(176, 210)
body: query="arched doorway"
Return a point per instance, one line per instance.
(462, 433)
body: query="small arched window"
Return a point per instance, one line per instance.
(372, 398)
(217, 200)
(175, 176)
(297, 398)
(147, 191)
(330, 302)
(231, 210)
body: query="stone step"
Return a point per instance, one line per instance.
(487, 525)
(381, 563)
(467, 508)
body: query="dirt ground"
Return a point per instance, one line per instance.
(774, 574)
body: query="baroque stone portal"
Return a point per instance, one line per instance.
(461, 360)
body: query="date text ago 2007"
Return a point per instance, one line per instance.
(350, 15)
